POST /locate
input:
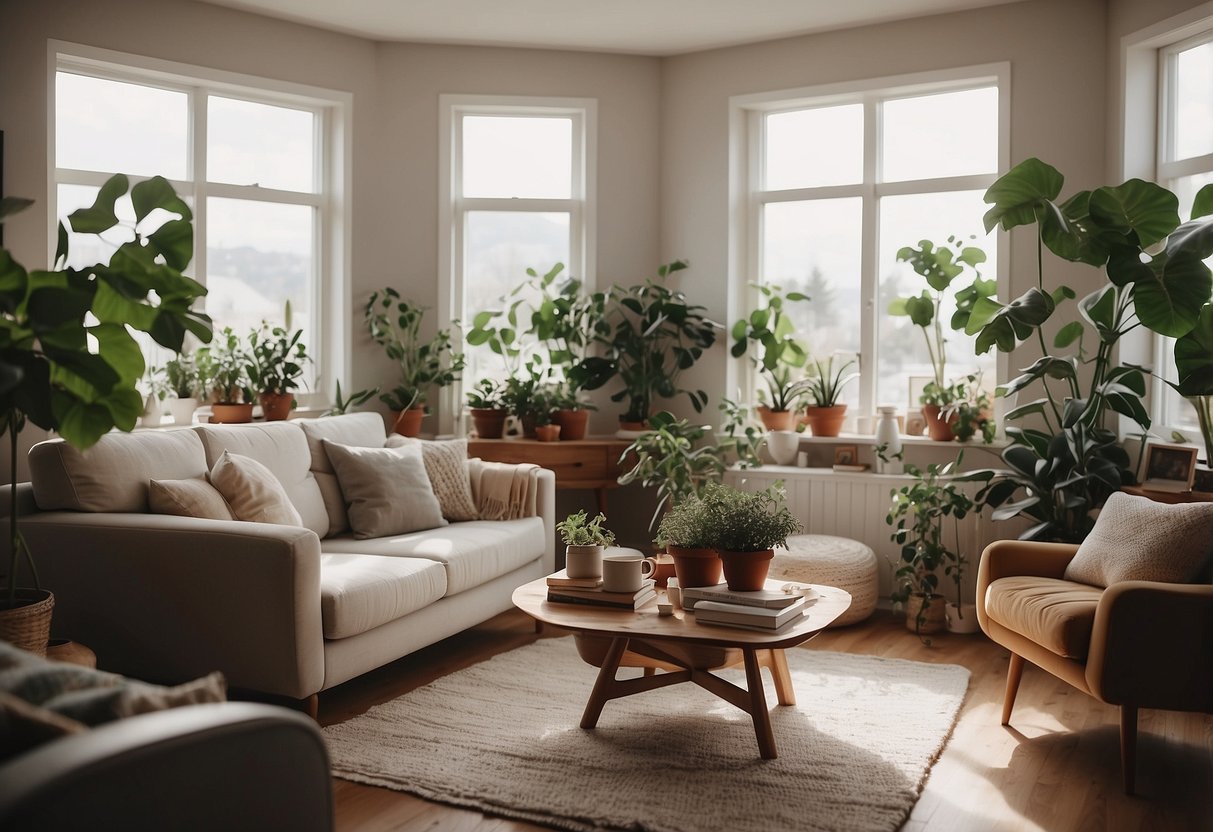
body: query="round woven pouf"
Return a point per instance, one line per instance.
(833, 561)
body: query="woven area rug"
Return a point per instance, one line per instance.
(503, 737)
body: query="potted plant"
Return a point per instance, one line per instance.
(181, 373)
(584, 542)
(276, 358)
(940, 266)
(487, 405)
(569, 413)
(745, 527)
(918, 512)
(686, 533)
(395, 325)
(68, 361)
(344, 404)
(825, 385)
(525, 395)
(155, 389)
(545, 430)
(1065, 461)
(227, 366)
(769, 331)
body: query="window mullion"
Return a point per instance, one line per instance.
(870, 252)
(198, 105)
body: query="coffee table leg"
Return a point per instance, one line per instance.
(604, 683)
(783, 678)
(758, 706)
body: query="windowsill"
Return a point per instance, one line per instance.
(915, 441)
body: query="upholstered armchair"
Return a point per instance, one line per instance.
(1135, 644)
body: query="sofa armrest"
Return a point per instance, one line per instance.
(221, 766)
(1008, 558)
(168, 599)
(546, 506)
(1152, 646)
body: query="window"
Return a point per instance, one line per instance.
(254, 159)
(520, 194)
(839, 180)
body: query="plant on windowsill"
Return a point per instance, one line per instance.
(486, 401)
(226, 364)
(184, 383)
(155, 389)
(276, 358)
(395, 324)
(1065, 462)
(344, 404)
(744, 528)
(825, 385)
(779, 355)
(964, 408)
(68, 361)
(919, 511)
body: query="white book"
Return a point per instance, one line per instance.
(769, 598)
(770, 619)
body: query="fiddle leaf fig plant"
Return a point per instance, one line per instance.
(1194, 351)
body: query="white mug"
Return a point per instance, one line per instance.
(626, 573)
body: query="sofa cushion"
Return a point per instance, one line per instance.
(473, 553)
(386, 490)
(1058, 615)
(360, 592)
(1137, 539)
(280, 447)
(113, 475)
(357, 430)
(253, 491)
(188, 498)
(446, 464)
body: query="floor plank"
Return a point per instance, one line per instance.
(1055, 768)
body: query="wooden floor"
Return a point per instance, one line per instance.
(1055, 768)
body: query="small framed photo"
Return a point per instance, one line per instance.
(916, 425)
(846, 454)
(1169, 467)
(917, 385)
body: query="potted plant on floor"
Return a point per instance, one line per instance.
(181, 373)
(745, 527)
(226, 365)
(825, 385)
(68, 361)
(276, 359)
(584, 542)
(395, 325)
(778, 354)
(919, 512)
(488, 409)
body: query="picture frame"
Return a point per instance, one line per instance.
(916, 425)
(917, 384)
(846, 454)
(1169, 467)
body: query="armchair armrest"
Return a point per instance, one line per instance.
(222, 766)
(1152, 646)
(1008, 558)
(171, 598)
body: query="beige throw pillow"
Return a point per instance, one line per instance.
(386, 489)
(188, 498)
(252, 491)
(1137, 539)
(446, 466)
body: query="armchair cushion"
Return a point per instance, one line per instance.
(1058, 615)
(1137, 539)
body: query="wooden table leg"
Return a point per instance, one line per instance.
(758, 705)
(782, 677)
(604, 683)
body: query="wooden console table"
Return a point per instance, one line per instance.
(578, 464)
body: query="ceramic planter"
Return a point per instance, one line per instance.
(782, 445)
(152, 414)
(547, 433)
(695, 567)
(573, 423)
(777, 419)
(933, 619)
(27, 624)
(746, 571)
(183, 410)
(825, 421)
(937, 428)
(489, 422)
(664, 570)
(231, 414)
(961, 619)
(583, 561)
(408, 422)
(276, 407)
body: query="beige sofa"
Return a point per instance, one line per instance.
(283, 610)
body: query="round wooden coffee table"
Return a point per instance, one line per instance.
(687, 651)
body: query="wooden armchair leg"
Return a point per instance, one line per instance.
(1014, 674)
(1128, 745)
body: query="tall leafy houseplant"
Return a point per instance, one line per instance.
(68, 361)
(1194, 351)
(778, 354)
(1065, 461)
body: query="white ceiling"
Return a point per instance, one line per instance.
(639, 27)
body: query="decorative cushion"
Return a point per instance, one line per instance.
(446, 466)
(252, 491)
(1137, 539)
(1057, 615)
(386, 489)
(188, 498)
(359, 430)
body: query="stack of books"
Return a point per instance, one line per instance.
(762, 610)
(565, 590)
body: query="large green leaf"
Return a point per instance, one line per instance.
(1194, 356)
(921, 309)
(10, 205)
(1192, 239)
(101, 216)
(1018, 194)
(1099, 308)
(1070, 234)
(1202, 205)
(119, 350)
(1145, 209)
(156, 193)
(174, 240)
(1014, 322)
(1170, 303)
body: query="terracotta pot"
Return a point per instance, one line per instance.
(231, 414)
(636, 427)
(489, 422)
(547, 433)
(664, 570)
(933, 618)
(573, 423)
(27, 624)
(528, 425)
(408, 422)
(276, 407)
(746, 571)
(825, 421)
(696, 567)
(777, 419)
(71, 652)
(937, 428)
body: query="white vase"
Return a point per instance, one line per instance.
(888, 433)
(183, 410)
(961, 620)
(152, 414)
(783, 445)
(583, 561)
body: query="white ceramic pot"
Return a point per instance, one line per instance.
(783, 445)
(888, 434)
(152, 413)
(962, 620)
(183, 410)
(583, 561)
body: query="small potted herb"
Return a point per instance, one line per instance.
(745, 527)
(584, 541)
(686, 533)
(276, 358)
(226, 365)
(181, 373)
(826, 414)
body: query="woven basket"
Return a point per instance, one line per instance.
(28, 625)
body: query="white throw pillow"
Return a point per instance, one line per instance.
(446, 466)
(1137, 539)
(386, 489)
(252, 491)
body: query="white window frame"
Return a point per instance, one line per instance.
(747, 113)
(453, 207)
(331, 255)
